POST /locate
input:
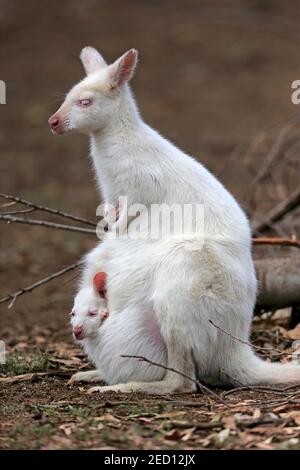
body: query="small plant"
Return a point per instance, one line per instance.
(17, 365)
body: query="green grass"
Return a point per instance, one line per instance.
(17, 365)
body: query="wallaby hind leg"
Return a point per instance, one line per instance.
(86, 376)
(172, 382)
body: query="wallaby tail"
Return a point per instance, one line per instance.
(248, 369)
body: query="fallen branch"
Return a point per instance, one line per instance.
(280, 211)
(44, 223)
(38, 207)
(202, 387)
(276, 241)
(13, 297)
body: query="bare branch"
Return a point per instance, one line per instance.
(13, 297)
(202, 387)
(44, 223)
(24, 211)
(273, 155)
(38, 207)
(273, 351)
(276, 241)
(278, 212)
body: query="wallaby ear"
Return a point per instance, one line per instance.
(92, 60)
(122, 69)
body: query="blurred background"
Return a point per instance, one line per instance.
(214, 77)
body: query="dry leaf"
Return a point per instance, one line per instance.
(229, 422)
(108, 417)
(295, 415)
(187, 434)
(68, 428)
(173, 435)
(295, 333)
(21, 378)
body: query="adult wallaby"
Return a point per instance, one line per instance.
(191, 279)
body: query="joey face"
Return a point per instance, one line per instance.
(85, 325)
(91, 104)
(88, 313)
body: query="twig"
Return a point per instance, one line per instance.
(272, 156)
(45, 223)
(202, 387)
(260, 388)
(234, 155)
(24, 211)
(38, 207)
(13, 297)
(276, 241)
(282, 209)
(32, 375)
(275, 351)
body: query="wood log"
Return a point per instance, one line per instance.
(279, 283)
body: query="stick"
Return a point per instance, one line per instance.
(272, 156)
(47, 209)
(258, 348)
(282, 209)
(24, 211)
(9, 218)
(13, 297)
(276, 241)
(45, 223)
(203, 388)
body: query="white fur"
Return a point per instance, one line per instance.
(184, 283)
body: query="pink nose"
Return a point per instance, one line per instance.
(54, 122)
(77, 331)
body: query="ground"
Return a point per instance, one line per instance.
(215, 79)
(40, 410)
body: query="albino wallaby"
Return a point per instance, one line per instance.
(188, 280)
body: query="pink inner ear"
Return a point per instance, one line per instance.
(126, 66)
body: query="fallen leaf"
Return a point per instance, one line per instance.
(229, 422)
(295, 415)
(21, 378)
(256, 413)
(173, 435)
(107, 417)
(295, 332)
(187, 434)
(67, 428)
(222, 436)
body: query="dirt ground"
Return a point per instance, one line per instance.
(215, 78)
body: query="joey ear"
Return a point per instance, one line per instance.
(122, 69)
(92, 60)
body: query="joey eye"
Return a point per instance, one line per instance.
(92, 313)
(85, 102)
(72, 314)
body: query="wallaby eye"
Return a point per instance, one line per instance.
(72, 314)
(92, 313)
(85, 102)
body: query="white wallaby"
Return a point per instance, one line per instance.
(185, 280)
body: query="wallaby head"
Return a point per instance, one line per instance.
(91, 104)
